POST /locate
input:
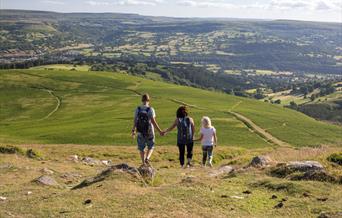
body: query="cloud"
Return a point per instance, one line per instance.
(96, 3)
(269, 5)
(306, 4)
(125, 2)
(52, 2)
(207, 4)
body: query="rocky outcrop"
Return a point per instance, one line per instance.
(261, 161)
(147, 171)
(106, 173)
(303, 170)
(223, 170)
(46, 180)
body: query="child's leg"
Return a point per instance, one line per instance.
(205, 153)
(210, 155)
(181, 148)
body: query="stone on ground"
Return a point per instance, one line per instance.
(223, 170)
(106, 173)
(305, 166)
(303, 170)
(91, 161)
(46, 180)
(46, 171)
(147, 171)
(261, 161)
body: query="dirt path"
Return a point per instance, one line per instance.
(249, 123)
(260, 131)
(57, 106)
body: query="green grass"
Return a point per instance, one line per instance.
(97, 108)
(175, 192)
(63, 67)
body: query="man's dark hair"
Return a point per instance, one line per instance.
(182, 112)
(145, 98)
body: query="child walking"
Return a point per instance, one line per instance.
(208, 139)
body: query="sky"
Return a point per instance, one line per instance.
(311, 10)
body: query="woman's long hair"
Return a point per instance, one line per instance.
(182, 112)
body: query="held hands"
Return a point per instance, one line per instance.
(163, 133)
(133, 134)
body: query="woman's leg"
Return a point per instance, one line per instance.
(181, 148)
(189, 149)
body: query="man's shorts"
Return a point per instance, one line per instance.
(144, 141)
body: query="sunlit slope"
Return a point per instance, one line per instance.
(56, 106)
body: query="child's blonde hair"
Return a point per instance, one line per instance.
(206, 122)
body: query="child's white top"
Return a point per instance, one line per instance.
(208, 136)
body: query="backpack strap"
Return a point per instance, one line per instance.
(187, 120)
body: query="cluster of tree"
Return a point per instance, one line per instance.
(330, 111)
(325, 88)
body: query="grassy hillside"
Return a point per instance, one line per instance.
(174, 192)
(73, 107)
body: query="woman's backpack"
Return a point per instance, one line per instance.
(184, 130)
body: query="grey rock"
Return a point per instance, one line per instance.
(106, 173)
(222, 170)
(91, 161)
(147, 171)
(261, 161)
(74, 158)
(71, 175)
(304, 166)
(46, 180)
(46, 171)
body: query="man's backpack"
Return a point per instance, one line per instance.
(184, 128)
(143, 121)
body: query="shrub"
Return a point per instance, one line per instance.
(336, 158)
(10, 150)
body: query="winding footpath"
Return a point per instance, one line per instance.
(260, 131)
(57, 106)
(248, 122)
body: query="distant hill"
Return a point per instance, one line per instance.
(279, 45)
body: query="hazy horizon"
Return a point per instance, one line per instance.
(305, 10)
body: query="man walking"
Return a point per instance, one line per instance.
(143, 126)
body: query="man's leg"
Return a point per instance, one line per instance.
(150, 145)
(149, 154)
(142, 155)
(141, 147)
(181, 148)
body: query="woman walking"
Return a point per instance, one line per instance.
(186, 128)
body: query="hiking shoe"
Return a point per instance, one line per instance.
(147, 162)
(210, 165)
(189, 165)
